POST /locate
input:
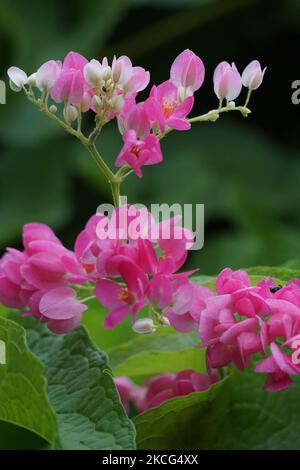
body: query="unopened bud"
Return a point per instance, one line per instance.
(231, 104)
(32, 79)
(17, 78)
(70, 113)
(93, 72)
(143, 325)
(96, 102)
(53, 109)
(117, 102)
(164, 321)
(106, 73)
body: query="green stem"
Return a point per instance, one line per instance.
(211, 116)
(99, 161)
(115, 189)
(248, 97)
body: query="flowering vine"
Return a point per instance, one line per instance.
(136, 272)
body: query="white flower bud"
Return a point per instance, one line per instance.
(93, 72)
(32, 79)
(70, 113)
(106, 73)
(143, 325)
(231, 104)
(96, 102)
(53, 109)
(17, 78)
(117, 102)
(47, 75)
(165, 321)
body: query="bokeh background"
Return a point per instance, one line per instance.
(245, 171)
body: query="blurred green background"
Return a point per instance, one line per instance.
(245, 171)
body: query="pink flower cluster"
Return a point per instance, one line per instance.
(110, 90)
(244, 320)
(127, 261)
(130, 264)
(161, 388)
(38, 279)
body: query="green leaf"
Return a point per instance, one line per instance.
(150, 363)
(81, 390)
(167, 341)
(23, 398)
(246, 417)
(103, 338)
(281, 273)
(178, 423)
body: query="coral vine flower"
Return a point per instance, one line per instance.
(47, 75)
(166, 109)
(121, 301)
(137, 153)
(279, 367)
(70, 85)
(253, 75)
(227, 81)
(161, 388)
(187, 73)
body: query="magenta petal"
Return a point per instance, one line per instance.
(116, 316)
(64, 326)
(61, 304)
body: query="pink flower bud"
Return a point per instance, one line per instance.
(227, 81)
(47, 75)
(253, 75)
(17, 78)
(187, 71)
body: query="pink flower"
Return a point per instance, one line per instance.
(58, 308)
(227, 81)
(122, 70)
(137, 153)
(166, 110)
(121, 301)
(71, 85)
(138, 81)
(279, 367)
(253, 75)
(227, 340)
(189, 320)
(47, 75)
(229, 281)
(135, 117)
(12, 293)
(187, 72)
(166, 386)
(130, 393)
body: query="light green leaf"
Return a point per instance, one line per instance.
(23, 397)
(168, 340)
(151, 363)
(281, 273)
(81, 390)
(103, 338)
